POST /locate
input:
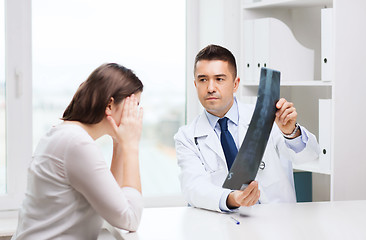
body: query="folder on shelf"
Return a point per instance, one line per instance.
(249, 157)
(327, 45)
(325, 133)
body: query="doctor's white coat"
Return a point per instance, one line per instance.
(203, 166)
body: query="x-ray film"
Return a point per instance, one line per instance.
(246, 164)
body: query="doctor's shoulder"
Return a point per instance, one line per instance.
(186, 132)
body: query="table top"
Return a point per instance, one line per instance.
(316, 220)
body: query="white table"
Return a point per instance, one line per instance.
(318, 220)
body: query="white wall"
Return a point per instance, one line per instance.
(209, 22)
(350, 100)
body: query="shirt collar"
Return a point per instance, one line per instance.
(232, 114)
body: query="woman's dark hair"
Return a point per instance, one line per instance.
(92, 97)
(215, 52)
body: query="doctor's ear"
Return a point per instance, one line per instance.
(236, 84)
(108, 109)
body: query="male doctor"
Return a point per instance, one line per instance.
(207, 147)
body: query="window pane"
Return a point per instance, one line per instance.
(73, 37)
(2, 102)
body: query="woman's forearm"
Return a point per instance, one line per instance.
(125, 166)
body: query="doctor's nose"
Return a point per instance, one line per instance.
(211, 87)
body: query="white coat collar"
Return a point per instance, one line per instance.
(204, 133)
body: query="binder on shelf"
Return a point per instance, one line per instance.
(276, 47)
(325, 133)
(248, 50)
(327, 45)
(261, 46)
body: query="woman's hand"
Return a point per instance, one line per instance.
(128, 133)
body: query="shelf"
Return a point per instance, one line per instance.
(286, 3)
(314, 83)
(311, 167)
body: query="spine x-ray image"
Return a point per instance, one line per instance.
(246, 164)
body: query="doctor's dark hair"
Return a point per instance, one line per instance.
(215, 52)
(93, 96)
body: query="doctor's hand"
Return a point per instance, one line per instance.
(248, 197)
(286, 116)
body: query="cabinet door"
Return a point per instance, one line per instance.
(325, 133)
(327, 48)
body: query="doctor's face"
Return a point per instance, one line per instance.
(215, 85)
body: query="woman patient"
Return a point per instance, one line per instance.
(70, 188)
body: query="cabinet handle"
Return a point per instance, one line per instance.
(325, 60)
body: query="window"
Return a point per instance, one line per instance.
(73, 37)
(2, 102)
(15, 101)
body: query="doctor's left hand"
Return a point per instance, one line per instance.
(286, 116)
(247, 197)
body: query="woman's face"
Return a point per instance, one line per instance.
(117, 109)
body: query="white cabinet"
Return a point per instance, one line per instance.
(335, 31)
(292, 36)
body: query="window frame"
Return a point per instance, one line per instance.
(18, 79)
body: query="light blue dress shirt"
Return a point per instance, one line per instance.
(296, 144)
(232, 123)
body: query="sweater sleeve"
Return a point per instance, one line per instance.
(89, 174)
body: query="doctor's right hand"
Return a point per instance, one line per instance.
(247, 197)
